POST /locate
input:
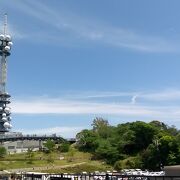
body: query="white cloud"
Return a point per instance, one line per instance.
(133, 100)
(96, 95)
(15, 33)
(166, 95)
(150, 106)
(163, 95)
(77, 107)
(157, 105)
(82, 29)
(66, 132)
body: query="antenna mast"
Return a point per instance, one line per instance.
(5, 23)
(5, 47)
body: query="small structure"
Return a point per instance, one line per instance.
(172, 170)
(21, 146)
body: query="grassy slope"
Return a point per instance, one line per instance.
(18, 161)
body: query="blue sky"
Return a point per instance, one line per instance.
(73, 61)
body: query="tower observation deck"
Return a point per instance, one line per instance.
(5, 110)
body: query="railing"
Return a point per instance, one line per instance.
(43, 176)
(37, 138)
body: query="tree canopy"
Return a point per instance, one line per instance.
(49, 145)
(132, 145)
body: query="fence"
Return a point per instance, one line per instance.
(42, 176)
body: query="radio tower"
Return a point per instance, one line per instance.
(5, 111)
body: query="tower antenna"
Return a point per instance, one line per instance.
(5, 23)
(5, 48)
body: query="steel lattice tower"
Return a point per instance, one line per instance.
(5, 111)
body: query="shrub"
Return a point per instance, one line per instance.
(64, 147)
(3, 152)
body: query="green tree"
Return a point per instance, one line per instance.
(3, 152)
(30, 155)
(101, 127)
(164, 151)
(64, 147)
(128, 163)
(86, 140)
(125, 139)
(50, 158)
(135, 144)
(172, 130)
(151, 157)
(134, 137)
(70, 154)
(169, 150)
(159, 125)
(50, 145)
(106, 151)
(144, 134)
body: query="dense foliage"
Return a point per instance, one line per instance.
(132, 145)
(64, 147)
(3, 152)
(49, 145)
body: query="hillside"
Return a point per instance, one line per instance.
(132, 145)
(50, 162)
(135, 145)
